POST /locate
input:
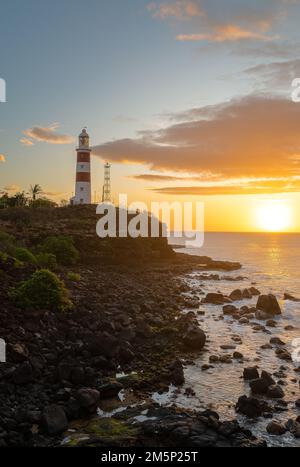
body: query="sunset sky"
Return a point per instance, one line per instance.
(188, 99)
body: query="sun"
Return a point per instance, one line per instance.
(274, 216)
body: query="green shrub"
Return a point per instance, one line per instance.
(47, 261)
(3, 257)
(7, 243)
(24, 255)
(63, 248)
(44, 290)
(73, 276)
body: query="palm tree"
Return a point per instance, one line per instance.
(35, 190)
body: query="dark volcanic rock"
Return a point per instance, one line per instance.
(268, 377)
(259, 386)
(216, 298)
(23, 374)
(275, 392)
(177, 373)
(110, 388)
(229, 309)
(54, 420)
(247, 293)
(254, 291)
(287, 296)
(276, 428)
(236, 295)
(268, 304)
(194, 338)
(251, 406)
(251, 373)
(88, 399)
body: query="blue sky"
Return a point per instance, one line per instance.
(125, 66)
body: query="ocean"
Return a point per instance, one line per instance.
(270, 261)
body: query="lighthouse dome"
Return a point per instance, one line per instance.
(84, 139)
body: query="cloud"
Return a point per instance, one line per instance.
(253, 187)
(167, 178)
(255, 136)
(275, 74)
(2, 158)
(47, 135)
(224, 33)
(268, 50)
(156, 178)
(180, 9)
(238, 22)
(12, 188)
(26, 142)
(54, 194)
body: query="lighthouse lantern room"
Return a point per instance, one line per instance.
(83, 171)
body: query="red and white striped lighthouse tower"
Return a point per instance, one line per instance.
(83, 171)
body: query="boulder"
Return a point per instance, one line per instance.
(229, 309)
(215, 298)
(259, 386)
(54, 420)
(236, 295)
(88, 399)
(276, 428)
(251, 373)
(275, 392)
(247, 293)
(268, 304)
(271, 323)
(110, 388)
(267, 377)
(238, 355)
(287, 296)
(194, 338)
(251, 407)
(254, 291)
(177, 373)
(283, 354)
(276, 341)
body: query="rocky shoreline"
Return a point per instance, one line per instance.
(87, 377)
(62, 367)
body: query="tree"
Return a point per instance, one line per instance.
(35, 190)
(18, 200)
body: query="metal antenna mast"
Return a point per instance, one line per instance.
(106, 195)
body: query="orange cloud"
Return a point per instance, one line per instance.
(12, 188)
(180, 9)
(253, 137)
(26, 142)
(46, 135)
(227, 32)
(238, 23)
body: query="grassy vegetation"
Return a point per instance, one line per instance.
(24, 255)
(73, 276)
(43, 290)
(62, 248)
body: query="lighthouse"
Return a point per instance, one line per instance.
(83, 171)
